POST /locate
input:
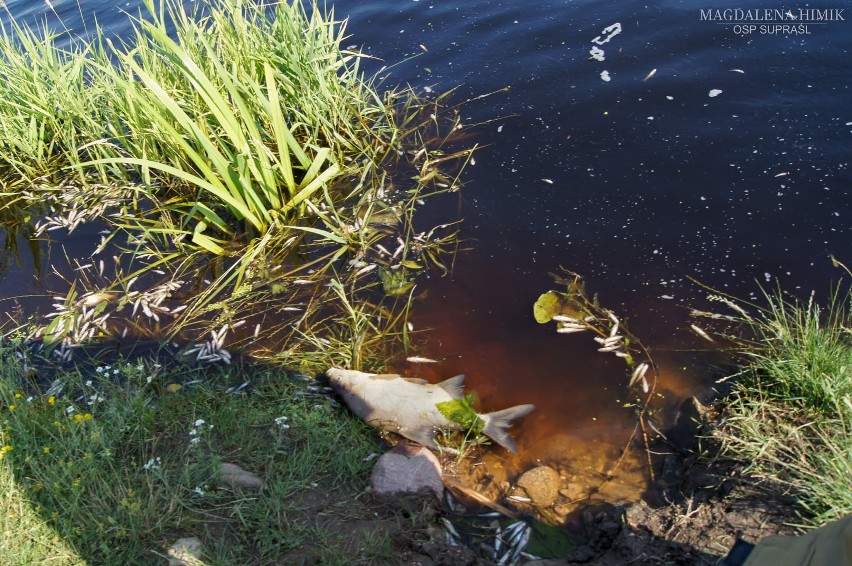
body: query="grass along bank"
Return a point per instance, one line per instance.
(246, 172)
(110, 463)
(789, 415)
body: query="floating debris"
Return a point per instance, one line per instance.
(605, 76)
(608, 33)
(597, 53)
(714, 93)
(649, 75)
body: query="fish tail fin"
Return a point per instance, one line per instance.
(497, 423)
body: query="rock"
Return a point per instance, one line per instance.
(573, 492)
(407, 469)
(235, 475)
(185, 552)
(541, 484)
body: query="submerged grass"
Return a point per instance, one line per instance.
(790, 413)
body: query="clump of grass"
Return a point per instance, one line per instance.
(243, 162)
(789, 416)
(113, 461)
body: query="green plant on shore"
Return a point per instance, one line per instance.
(111, 462)
(789, 416)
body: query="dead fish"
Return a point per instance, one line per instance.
(407, 406)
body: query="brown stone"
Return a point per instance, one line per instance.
(541, 485)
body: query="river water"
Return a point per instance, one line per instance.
(688, 146)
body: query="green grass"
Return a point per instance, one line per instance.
(104, 469)
(238, 155)
(789, 416)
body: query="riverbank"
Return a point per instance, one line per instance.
(116, 460)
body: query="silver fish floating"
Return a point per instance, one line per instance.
(408, 406)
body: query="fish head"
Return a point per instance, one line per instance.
(349, 385)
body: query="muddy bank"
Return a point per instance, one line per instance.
(700, 507)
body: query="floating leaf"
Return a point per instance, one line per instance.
(547, 306)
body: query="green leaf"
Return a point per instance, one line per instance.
(461, 411)
(547, 306)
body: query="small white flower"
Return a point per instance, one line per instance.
(89, 383)
(69, 410)
(149, 379)
(199, 422)
(99, 369)
(194, 440)
(198, 491)
(193, 432)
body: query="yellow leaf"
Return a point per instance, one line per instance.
(547, 306)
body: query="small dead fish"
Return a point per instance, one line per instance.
(420, 360)
(408, 406)
(651, 74)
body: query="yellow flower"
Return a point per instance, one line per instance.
(12, 407)
(51, 401)
(4, 450)
(87, 416)
(76, 483)
(18, 395)
(46, 449)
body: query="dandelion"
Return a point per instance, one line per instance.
(12, 407)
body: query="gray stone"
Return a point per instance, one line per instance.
(235, 475)
(541, 484)
(185, 552)
(407, 469)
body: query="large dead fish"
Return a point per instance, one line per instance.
(407, 406)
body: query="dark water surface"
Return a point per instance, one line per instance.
(637, 182)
